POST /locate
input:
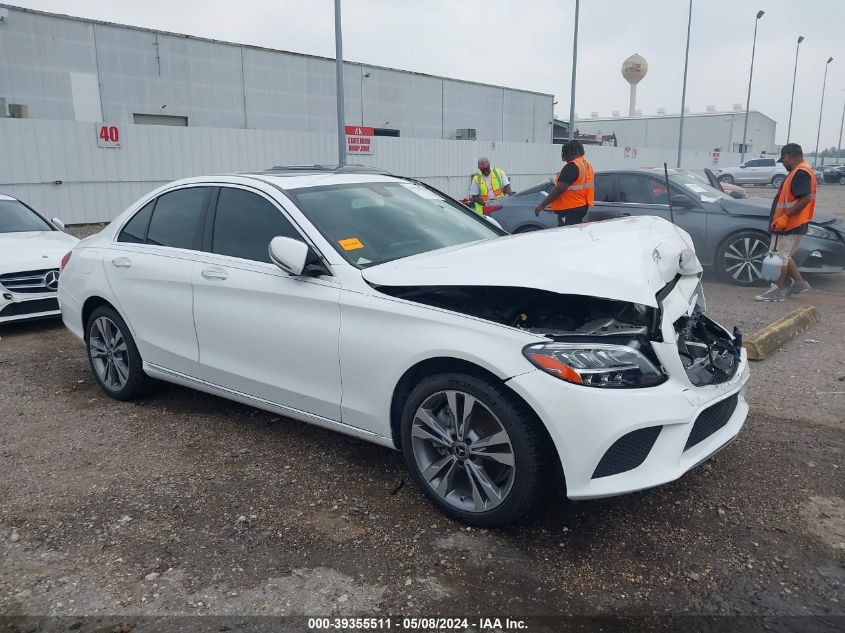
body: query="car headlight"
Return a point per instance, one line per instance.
(814, 230)
(596, 364)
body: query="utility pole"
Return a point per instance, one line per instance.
(341, 117)
(574, 69)
(841, 125)
(760, 14)
(792, 99)
(684, 91)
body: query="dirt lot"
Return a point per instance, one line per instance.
(188, 504)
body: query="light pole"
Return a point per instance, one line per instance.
(574, 69)
(821, 109)
(760, 14)
(792, 98)
(684, 90)
(841, 125)
(341, 118)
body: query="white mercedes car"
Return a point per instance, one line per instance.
(376, 306)
(31, 249)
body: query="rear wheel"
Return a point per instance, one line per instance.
(740, 257)
(474, 450)
(726, 178)
(113, 355)
(842, 180)
(777, 181)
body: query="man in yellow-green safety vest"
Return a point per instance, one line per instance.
(488, 183)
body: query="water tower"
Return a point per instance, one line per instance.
(633, 70)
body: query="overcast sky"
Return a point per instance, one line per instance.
(528, 44)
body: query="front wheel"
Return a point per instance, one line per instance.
(480, 455)
(727, 178)
(777, 181)
(740, 257)
(113, 355)
(842, 180)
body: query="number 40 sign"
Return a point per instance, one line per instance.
(108, 135)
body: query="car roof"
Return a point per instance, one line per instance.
(292, 179)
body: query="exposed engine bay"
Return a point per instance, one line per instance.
(709, 354)
(538, 311)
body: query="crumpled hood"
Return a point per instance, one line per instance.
(762, 207)
(33, 250)
(627, 259)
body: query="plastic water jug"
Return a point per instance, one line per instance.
(772, 265)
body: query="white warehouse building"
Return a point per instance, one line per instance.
(66, 68)
(707, 131)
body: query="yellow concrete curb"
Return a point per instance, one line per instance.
(775, 335)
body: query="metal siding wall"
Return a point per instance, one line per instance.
(472, 106)
(98, 183)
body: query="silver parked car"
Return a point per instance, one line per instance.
(756, 171)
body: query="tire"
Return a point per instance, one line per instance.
(113, 355)
(739, 258)
(726, 178)
(777, 181)
(450, 466)
(842, 180)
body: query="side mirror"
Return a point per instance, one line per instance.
(288, 254)
(743, 166)
(58, 224)
(680, 201)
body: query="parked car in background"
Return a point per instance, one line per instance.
(709, 178)
(756, 171)
(378, 307)
(834, 174)
(731, 236)
(31, 249)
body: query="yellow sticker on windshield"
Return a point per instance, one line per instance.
(350, 244)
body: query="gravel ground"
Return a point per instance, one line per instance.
(189, 504)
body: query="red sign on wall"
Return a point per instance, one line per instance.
(359, 139)
(108, 135)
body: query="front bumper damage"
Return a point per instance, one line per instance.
(615, 441)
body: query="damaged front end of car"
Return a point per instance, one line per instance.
(592, 341)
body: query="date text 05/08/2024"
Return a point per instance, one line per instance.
(416, 624)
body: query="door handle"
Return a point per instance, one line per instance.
(121, 262)
(214, 273)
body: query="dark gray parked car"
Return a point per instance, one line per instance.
(730, 236)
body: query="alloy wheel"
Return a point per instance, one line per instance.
(109, 353)
(463, 451)
(743, 259)
(777, 181)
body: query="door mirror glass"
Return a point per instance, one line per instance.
(288, 254)
(681, 201)
(58, 224)
(743, 166)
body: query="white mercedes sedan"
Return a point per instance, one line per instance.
(378, 307)
(31, 249)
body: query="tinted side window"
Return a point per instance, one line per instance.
(177, 216)
(543, 186)
(641, 190)
(245, 223)
(769, 162)
(604, 188)
(754, 163)
(135, 230)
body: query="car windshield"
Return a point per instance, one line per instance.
(697, 189)
(16, 217)
(372, 223)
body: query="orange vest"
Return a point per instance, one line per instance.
(580, 193)
(786, 200)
